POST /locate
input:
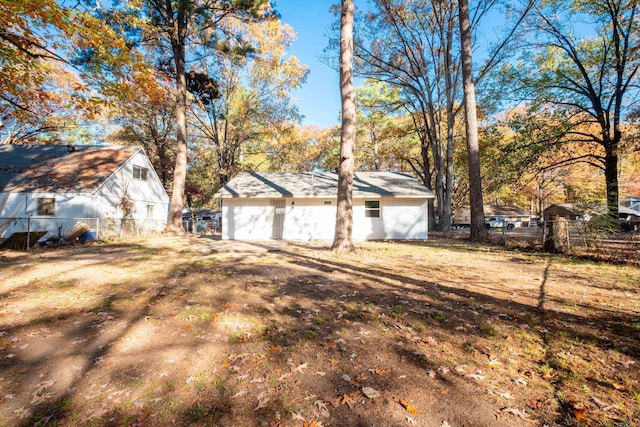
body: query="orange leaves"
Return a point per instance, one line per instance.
(347, 400)
(580, 416)
(409, 408)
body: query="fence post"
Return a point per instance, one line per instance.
(28, 232)
(566, 230)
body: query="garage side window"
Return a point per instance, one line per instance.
(46, 206)
(139, 173)
(372, 208)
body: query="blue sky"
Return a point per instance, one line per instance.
(319, 98)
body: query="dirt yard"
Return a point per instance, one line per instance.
(191, 331)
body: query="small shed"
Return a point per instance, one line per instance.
(53, 187)
(302, 206)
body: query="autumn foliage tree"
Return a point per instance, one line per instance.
(42, 92)
(248, 108)
(584, 84)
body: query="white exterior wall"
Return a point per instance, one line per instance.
(69, 207)
(399, 219)
(247, 219)
(312, 219)
(141, 193)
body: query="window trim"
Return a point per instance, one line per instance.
(372, 211)
(140, 173)
(46, 206)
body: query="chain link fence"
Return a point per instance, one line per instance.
(598, 240)
(27, 232)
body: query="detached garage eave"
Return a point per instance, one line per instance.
(323, 196)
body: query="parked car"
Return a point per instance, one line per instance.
(498, 222)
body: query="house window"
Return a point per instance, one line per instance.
(372, 208)
(149, 211)
(327, 202)
(47, 206)
(139, 173)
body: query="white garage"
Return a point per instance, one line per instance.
(302, 206)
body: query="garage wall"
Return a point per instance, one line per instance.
(314, 219)
(247, 219)
(310, 219)
(399, 219)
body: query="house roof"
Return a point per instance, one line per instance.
(59, 168)
(504, 210)
(628, 211)
(321, 185)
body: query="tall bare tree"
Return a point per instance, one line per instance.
(343, 239)
(178, 23)
(478, 232)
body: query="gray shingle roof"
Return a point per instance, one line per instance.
(58, 168)
(321, 185)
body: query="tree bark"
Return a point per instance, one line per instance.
(343, 237)
(174, 223)
(478, 231)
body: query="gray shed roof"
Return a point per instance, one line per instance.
(268, 185)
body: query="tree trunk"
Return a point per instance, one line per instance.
(174, 223)
(611, 179)
(343, 238)
(478, 232)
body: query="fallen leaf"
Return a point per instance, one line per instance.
(275, 348)
(431, 373)
(494, 364)
(444, 392)
(380, 371)
(370, 392)
(409, 408)
(262, 402)
(476, 377)
(506, 395)
(346, 377)
(240, 393)
(297, 416)
(411, 420)
(347, 400)
(322, 407)
(579, 413)
(516, 412)
(445, 424)
(520, 381)
(300, 368)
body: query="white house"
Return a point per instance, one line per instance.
(51, 187)
(302, 206)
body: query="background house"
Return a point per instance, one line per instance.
(52, 187)
(514, 214)
(566, 210)
(302, 206)
(631, 202)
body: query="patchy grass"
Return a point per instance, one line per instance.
(180, 331)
